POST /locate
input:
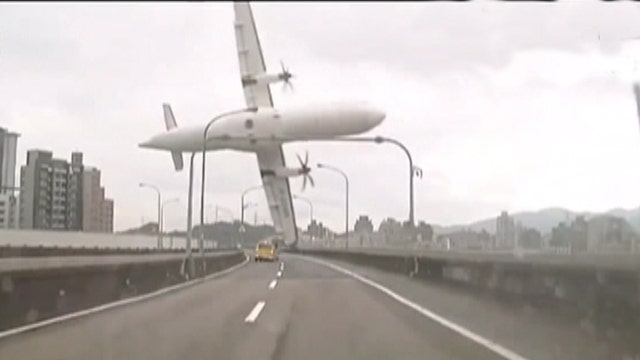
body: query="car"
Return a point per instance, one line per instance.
(266, 251)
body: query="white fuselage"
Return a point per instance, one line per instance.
(240, 131)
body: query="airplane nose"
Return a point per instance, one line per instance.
(145, 144)
(149, 144)
(375, 116)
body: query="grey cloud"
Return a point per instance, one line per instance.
(92, 77)
(432, 37)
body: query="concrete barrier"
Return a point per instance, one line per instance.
(598, 294)
(34, 293)
(47, 251)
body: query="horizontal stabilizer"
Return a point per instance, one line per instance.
(177, 160)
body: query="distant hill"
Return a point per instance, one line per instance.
(544, 220)
(227, 233)
(146, 229)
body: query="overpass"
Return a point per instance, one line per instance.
(316, 303)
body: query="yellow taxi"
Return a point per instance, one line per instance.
(266, 251)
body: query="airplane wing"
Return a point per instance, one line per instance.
(251, 61)
(250, 56)
(278, 192)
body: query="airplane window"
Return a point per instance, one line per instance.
(248, 124)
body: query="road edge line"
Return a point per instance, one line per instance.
(488, 344)
(111, 305)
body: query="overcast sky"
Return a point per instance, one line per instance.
(505, 106)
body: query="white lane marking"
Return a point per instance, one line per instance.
(279, 273)
(272, 284)
(97, 309)
(253, 315)
(491, 345)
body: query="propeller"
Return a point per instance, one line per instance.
(305, 170)
(285, 76)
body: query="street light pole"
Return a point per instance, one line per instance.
(190, 264)
(346, 181)
(412, 172)
(162, 211)
(412, 169)
(202, 185)
(159, 211)
(221, 209)
(310, 206)
(242, 205)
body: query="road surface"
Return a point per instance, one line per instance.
(302, 310)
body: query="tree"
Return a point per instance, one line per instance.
(425, 230)
(363, 224)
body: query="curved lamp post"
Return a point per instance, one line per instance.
(162, 211)
(298, 197)
(159, 211)
(346, 181)
(204, 152)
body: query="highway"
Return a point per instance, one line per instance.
(301, 309)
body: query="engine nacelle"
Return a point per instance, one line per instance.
(283, 172)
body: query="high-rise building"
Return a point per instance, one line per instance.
(505, 231)
(97, 211)
(8, 211)
(51, 192)
(91, 198)
(8, 198)
(106, 216)
(8, 147)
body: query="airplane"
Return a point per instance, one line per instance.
(262, 120)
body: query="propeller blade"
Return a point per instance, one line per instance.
(300, 160)
(282, 66)
(304, 183)
(311, 180)
(306, 157)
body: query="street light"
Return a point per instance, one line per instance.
(346, 181)
(162, 211)
(159, 211)
(413, 170)
(190, 264)
(310, 206)
(218, 208)
(243, 207)
(204, 151)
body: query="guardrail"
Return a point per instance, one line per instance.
(45, 251)
(605, 261)
(38, 288)
(600, 293)
(79, 239)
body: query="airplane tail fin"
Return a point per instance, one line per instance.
(170, 123)
(636, 92)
